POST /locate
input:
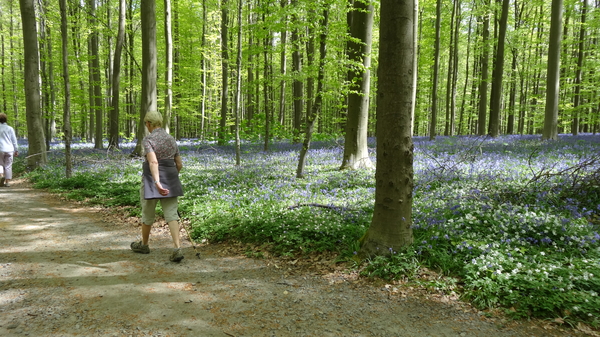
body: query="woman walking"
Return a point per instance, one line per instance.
(8, 149)
(160, 182)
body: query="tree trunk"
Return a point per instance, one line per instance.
(498, 74)
(298, 85)
(67, 86)
(356, 152)
(578, 71)
(316, 109)
(35, 130)
(13, 71)
(436, 72)
(391, 226)
(483, 85)
(283, 67)
(238, 87)
(114, 114)
(168, 67)
(203, 72)
(224, 71)
(149, 50)
(95, 84)
(550, 131)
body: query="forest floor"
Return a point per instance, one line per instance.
(67, 270)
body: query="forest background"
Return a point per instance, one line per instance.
(463, 47)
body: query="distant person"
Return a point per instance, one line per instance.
(160, 181)
(8, 149)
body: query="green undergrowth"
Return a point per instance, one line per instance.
(505, 221)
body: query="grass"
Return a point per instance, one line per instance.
(513, 219)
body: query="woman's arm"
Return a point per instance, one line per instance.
(178, 162)
(151, 157)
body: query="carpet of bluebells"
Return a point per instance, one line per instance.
(514, 219)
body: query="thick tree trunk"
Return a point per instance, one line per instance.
(391, 226)
(356, 152)
(35, 129)
(149, 62)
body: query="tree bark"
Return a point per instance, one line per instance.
(436, 72)
(316, 108)
(149, 63)
(67, 86)
(238, 87)
(498, 74)
(224, 71)
(168, 67)
(391, 226)
(579, 71)
(35, 129)
(95, 82)
(553, 77)
(483, 85)
(356, 152)
(114, 114)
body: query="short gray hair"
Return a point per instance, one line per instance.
(154, 117)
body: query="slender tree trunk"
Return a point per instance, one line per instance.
(267, 89)
(298, 86)
(283, 67)
(553, 79)
(498, 74)
(464, 93)
(67, 85)
(238, 87)
(115, 112)
(203, 76)
(483, 85)
(168, 66)
(310, 122)
(579, 70)
(436, 72)
(13, 70)
(95, 83)
(451, 70)
(224, 70)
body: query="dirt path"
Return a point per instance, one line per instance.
(66, 270)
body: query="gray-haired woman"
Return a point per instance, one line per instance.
(160, 182)
(8, 149)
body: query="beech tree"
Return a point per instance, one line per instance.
(67, 87)
(356, 152)
(35, 130)
(149, 50)
(391, 225)
(553, 76)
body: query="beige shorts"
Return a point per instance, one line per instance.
(168, 205)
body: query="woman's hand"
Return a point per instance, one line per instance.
(161, 190)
